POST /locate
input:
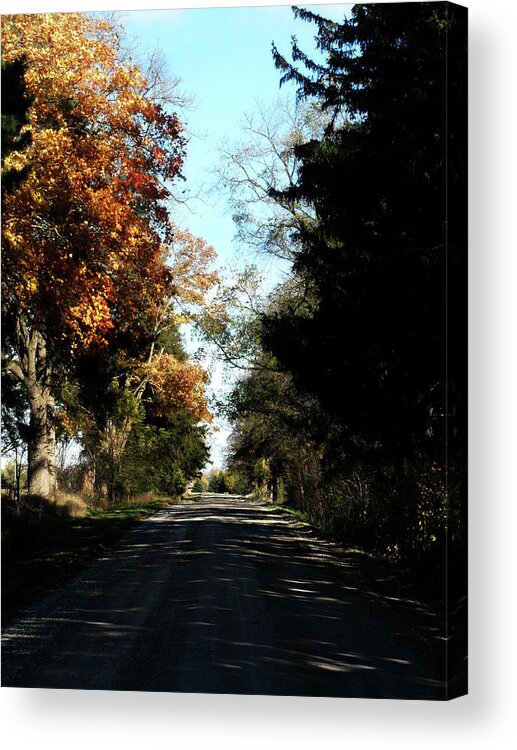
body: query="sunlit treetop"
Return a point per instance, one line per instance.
(101, 159)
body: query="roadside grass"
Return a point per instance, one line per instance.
(41, 553)
(298, 515)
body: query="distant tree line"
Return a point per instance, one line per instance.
(222, 481)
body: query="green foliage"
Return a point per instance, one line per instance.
(216, 482)
(365, 362)
(15, 105)
(373, 349)
(161, 456)
(130, 447)
(236, 333)
(200, 484)
(274, 426)
(233, 482)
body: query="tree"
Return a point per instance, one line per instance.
(137, 398)
(378, 340)
(256, 173)
(162, 455)
(157, 369)
(200, 484)
(86, 231)
(373, 350)
(275, 429)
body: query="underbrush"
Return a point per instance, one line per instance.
(428, 572)
(104, 503)
(71, 505)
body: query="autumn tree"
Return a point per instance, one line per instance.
(86, 233)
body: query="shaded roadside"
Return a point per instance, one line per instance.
(433, 600)
(41, 551)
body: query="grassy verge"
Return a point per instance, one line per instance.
(296, 514)
(39, 554)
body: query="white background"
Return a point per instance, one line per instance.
(485, 719)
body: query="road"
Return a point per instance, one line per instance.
(228, 596)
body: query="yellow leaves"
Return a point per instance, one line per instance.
(85, 227)
(12, 237)
(66, 422)
(189, 259)
(178, 384)
(90, 320)
(31, 285)
(62, 50)
(15, 161)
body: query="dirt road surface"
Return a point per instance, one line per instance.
(227, 596)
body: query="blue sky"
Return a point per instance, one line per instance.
(223, 58)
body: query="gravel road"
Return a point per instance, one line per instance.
(228, 596)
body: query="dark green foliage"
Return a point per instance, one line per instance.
(217, 483)
(378, 253)
(160, 455)
(129, 446)
(15, 105)
(376, 363)
(275, 428)
(199, 485)
(233, 482)
(163, 456)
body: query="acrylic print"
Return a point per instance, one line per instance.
(234, 350)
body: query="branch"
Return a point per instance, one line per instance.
(15, 369)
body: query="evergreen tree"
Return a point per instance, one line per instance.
(388, 245)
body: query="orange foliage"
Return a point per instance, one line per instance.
(84, 232)
(189, 259)
(178, 384)
(89, 250)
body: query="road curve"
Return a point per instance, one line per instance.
(228, 596)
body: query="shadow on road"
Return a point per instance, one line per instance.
(224, 596)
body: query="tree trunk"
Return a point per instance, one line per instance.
(89, 479)
(116, 441)
(42, 445)
(33, 369)
(274, 487)
(17, 480)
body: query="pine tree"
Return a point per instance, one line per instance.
(384, 182)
